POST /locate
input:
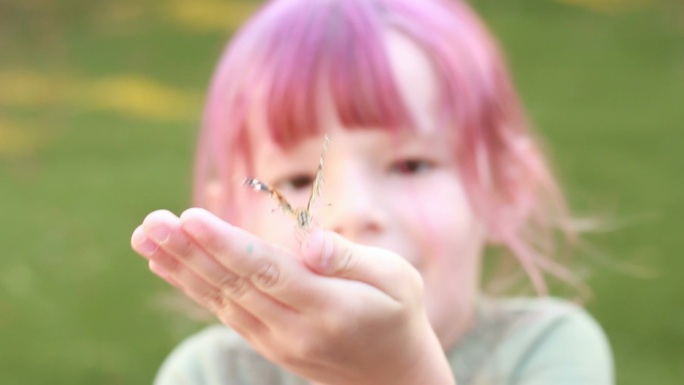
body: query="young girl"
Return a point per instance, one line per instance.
(430, 161)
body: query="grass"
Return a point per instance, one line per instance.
(98, 108)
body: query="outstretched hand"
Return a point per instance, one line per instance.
(334, 313)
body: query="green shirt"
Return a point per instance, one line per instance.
(525, 341)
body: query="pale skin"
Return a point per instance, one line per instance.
(374, 299)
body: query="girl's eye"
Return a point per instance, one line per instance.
(411, 166)
(296, 182)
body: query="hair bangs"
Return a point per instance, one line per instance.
(329, 55)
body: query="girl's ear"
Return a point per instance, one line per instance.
(214, 193)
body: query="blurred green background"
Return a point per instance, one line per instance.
(99, 102)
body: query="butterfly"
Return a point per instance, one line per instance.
(301, 215)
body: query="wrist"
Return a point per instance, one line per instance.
(430, 366)
(424, 363)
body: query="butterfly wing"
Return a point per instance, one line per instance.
(317, 184)
(274, 193)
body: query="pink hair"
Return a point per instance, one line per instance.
(279, 59)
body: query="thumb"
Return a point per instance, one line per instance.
(327, 253)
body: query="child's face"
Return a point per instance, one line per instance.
(400, 191)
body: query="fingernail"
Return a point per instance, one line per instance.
(327, 252)
(193, 228)
(142, 244)
(148, 249)
(138, 236)
(159, 233)
(320, 243)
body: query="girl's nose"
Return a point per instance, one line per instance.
(356, 209)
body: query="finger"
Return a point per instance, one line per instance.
(271, 270)
(187, 255)
(226, 310)
(330, 254)
(148, 248)
(171, 269)
(160, 228)
(165, 233)
(210, 297)
(141, 244)
(168, 268)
